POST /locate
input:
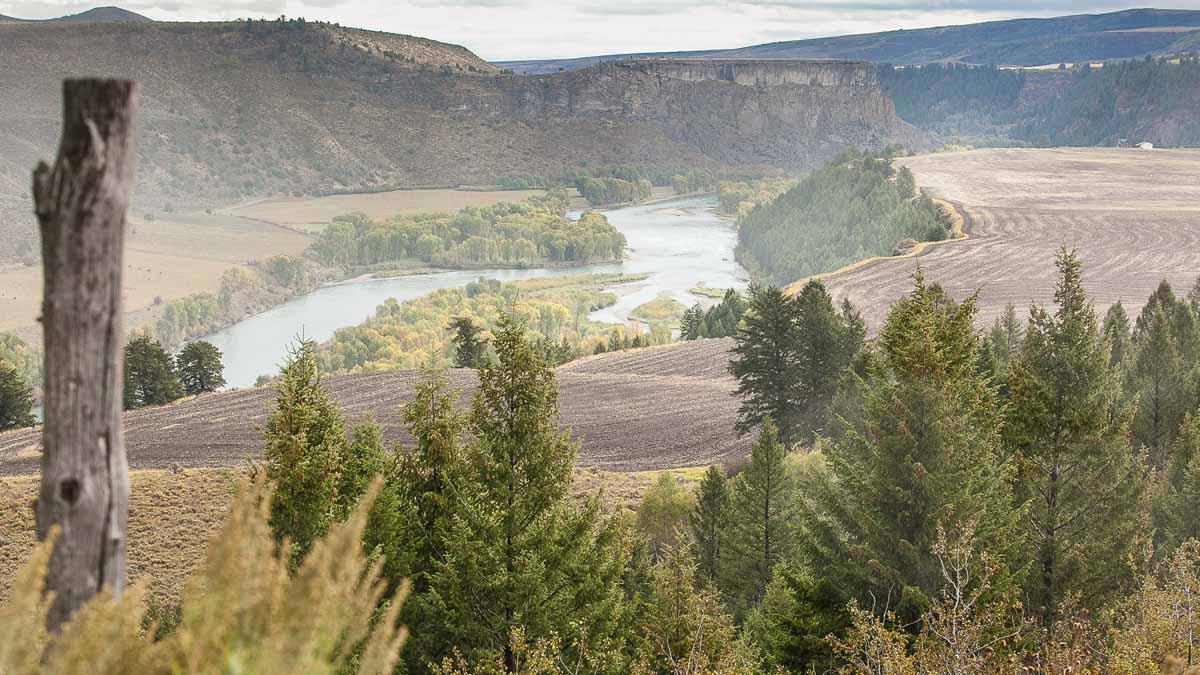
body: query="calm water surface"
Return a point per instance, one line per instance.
(680, 243)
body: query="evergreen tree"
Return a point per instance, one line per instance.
(305, 446)
(827, 342)
(200, 369)
(521, 557)
(1156, 381)
(1069, 426)
(766, 363)
(1177, 505)
(763, 519)
(709, 521)
(150, 377)
(924, 450)
(1005, 338)
(1116, 333)
(691, 326)
(16, 399)
(854, 331)
(469, 343)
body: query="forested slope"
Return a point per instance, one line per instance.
(856, 207)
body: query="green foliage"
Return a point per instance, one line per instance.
(791, 624)
(720, 320)
(922, 450)
(738, 198)
(150, 375)
(1103, 105)
(789, 355)
(663, 514)
(469, 344)
(1069, 426)
(709, 522)
(607, 191)
(199, 367)
(532, 232)
(683, 627)
(518, 552)
(16, 399)
(306, 444)
(953, 99)
(255, 288)
(241, 611)
(763, 520)
(848, 210)
(419, 332)
(26, 359)
(1117, 334)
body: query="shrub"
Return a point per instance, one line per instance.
(241, 611)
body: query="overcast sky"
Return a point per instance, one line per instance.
(527, 29)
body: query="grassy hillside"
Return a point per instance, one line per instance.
(1020, 42)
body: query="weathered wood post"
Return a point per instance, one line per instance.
(80, 205)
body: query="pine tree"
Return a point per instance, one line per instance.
(305, 446)
(1155, 379)
(763, 519)
(709, 521)
(150, 377)
(1005, 338)
(521, 557)
(826, 345)
(469, 343)
(1177, 505)
(200, 369)
(691, 326)
(924, 450)
(16, 399)
(1116, 333)
(766, 363)
(1069, 426)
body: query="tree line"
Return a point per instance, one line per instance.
(855, 207)
(532, 232)
(422, 331)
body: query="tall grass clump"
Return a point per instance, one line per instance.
(241, 611)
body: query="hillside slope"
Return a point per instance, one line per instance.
(648, 409)
(235, 111)
(1019, 42)
(1131, 215)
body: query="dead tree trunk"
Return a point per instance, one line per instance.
(80, 206)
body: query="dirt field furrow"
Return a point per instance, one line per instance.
(1133, 215)
(658, 408)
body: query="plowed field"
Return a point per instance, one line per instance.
(1133, 215)
(656, 408)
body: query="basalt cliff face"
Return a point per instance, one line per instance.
(234, 111)
(789, 114)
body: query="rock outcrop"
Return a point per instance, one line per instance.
(232, 111)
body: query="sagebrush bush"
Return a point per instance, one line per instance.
(240, 611)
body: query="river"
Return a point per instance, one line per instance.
(680, 243)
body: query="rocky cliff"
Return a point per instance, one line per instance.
(233, 111)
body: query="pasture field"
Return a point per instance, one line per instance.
(1133, 215)
(312, 213)
(172, 516)
(169, 257)
(639, 410)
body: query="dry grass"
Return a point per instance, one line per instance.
(170, 257)
(1132, 215)
(315, 212)
(172, 516)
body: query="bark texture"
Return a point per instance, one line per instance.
(81, 204)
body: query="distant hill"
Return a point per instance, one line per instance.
(1019, 42)
(235, 111)
(95, 15)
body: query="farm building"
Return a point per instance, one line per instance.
(1145, 146)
